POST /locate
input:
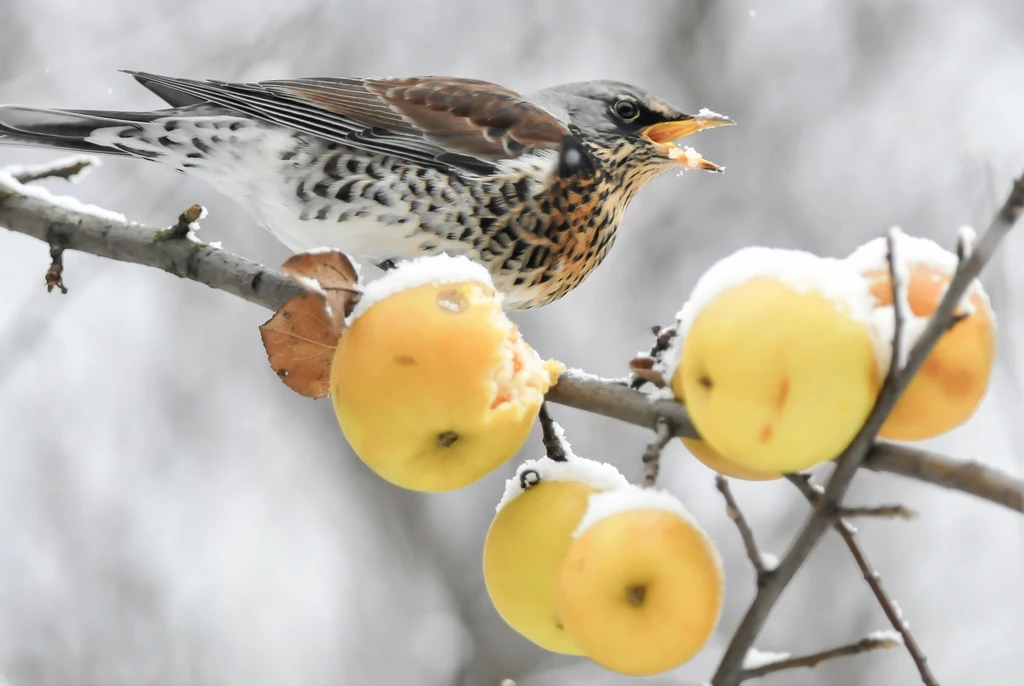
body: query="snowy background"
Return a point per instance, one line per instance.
(170, 513)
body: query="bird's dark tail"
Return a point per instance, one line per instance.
(66, 129)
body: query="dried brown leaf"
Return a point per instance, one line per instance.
(300, 343)
(331, 275)
(643, 367)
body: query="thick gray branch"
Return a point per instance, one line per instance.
(129, 242)
(730, 670)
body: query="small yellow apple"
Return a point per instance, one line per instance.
(432, 384)
(707, 455)
(541, 507)
(778, 361)
(640, 589)
(954, 378)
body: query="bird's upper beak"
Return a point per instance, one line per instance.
(664, 135)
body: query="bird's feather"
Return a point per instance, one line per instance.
(463, 125)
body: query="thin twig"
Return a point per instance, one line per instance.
(553, 446)
(732, 508)
(865, 645)
(186, 222)
(882, 511)
(652, 454)
(847, 464)
(899, 301)
(663, 336)
(55, 274)
(888, 605)
(219, 269)
(66, 169)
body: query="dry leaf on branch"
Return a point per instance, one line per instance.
(643, 367)
(332, 276)
(300, 345)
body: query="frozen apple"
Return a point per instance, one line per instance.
(777, 358)
(640, 589)
(432, 385)
(541, 507)
(949, 386)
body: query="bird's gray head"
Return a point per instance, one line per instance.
(625, 125)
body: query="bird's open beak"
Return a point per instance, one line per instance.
(664, 135)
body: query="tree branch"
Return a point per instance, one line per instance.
(892, 612)
(730, 669)
(865, 645)
(732, 509)
(58, 221)
(652, 454)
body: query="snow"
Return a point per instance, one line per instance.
(597, 475)
(759, 658)
(834, 279)
(966, 237)
(654, 393)
(911, 252)
(582, 375)
(901, 277)
(886, 635)
(915, 251)
(435, 269)
(705, 113)
(769, 561)
(63, 202)
(610, 503)
(41, 170)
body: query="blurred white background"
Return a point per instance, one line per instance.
(171, 514)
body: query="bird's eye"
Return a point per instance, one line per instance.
(626, 110)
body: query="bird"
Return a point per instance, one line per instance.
(531, 186)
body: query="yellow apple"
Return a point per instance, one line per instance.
(954, 378)
(640, 589)
(779, 363)
(542, 506)
(432, 385)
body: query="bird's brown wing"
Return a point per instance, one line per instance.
(464, 124)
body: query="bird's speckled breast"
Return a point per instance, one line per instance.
(539, 236)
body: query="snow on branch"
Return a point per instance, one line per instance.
(731, 671)
(65, 224)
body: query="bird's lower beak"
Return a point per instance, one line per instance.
(664, 135)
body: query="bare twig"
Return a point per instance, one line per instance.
(732, 508)
(186, 222)
(550, 436)
(900, 306)
(54, 275)
(865, 645)
(221, 270)
(652, 454)
(66, 169)
(883, 511)
(888, 605)
(847, 464)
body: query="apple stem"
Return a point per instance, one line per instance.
(553, 446)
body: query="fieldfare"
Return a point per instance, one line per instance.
(531, 186)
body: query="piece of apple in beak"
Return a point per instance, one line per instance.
(664, 135)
